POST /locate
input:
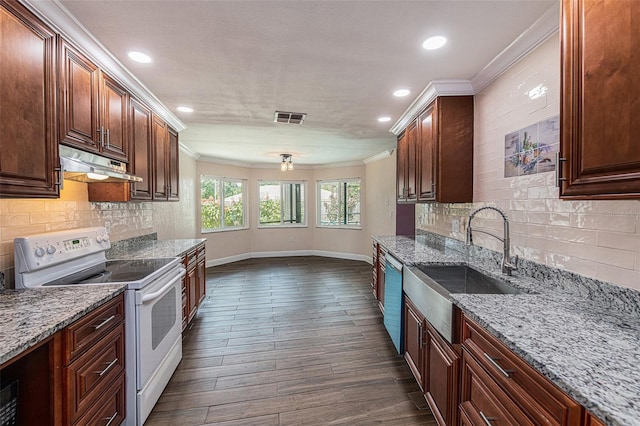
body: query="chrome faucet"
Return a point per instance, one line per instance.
(507, 264)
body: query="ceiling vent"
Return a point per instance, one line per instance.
(289, 117)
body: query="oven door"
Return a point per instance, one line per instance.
(158, 323)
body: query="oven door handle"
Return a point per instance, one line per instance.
(151, 296)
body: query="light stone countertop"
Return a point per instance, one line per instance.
(148, 249)
(30, 316)
(582, 334)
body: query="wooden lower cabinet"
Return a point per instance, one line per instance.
(413, 340)
(94, 367)
(483, 401)
(442, 365)
(533, 394)
(193, 283)
(379, 269)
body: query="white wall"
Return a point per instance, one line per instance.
(598, 239)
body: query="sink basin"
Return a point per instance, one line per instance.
(463, 279)
(429, 288)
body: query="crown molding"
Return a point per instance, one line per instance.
(434, 89)
(189, 151)
(544, 27)
(64, 23)
(379, 156)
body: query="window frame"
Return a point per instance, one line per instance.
(342, 181)
(281, 183)
(245, 205)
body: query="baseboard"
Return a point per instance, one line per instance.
(263, 254)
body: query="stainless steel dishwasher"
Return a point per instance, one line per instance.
(393, 301)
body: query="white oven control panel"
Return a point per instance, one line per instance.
(40, 251)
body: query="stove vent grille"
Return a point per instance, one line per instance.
(289, 117)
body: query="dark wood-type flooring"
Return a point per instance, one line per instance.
(290, 341)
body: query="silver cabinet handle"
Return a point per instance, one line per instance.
(494, 362)
(60, 182)
(420, 338)
(107, 368)
(111, 419)
(487, 420)
(103, 323)
(559, 177)
(108, 138)
(101, 133)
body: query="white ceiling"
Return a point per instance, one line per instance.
(236, 62)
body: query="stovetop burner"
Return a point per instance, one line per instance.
(113, 271)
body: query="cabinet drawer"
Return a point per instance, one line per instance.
(89, 375)
(537, 396)
(200, 252)
(109, 409)
(85, 332)
(483, 402)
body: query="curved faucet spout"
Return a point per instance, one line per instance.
(507, 265)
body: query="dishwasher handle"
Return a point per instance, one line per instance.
(394, 263)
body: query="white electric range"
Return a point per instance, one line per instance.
(153, 302)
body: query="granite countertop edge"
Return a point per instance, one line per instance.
(610, 407)
(43, 329)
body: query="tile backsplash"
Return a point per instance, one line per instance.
(599, 239)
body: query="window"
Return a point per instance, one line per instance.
(281, 203)
(339, 203)
(222, 203)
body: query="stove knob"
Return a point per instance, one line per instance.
(39, 252)
(51, 249)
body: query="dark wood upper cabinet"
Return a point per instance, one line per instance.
(406, 159)
(174, 160)
(160, 141)
(445, 151)
(93, 106)
(435, 153)
(29, 161)
(141, 158)
(599, 104)
(114, 110)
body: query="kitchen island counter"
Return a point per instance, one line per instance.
(580, 333)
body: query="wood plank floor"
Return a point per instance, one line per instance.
(290, 341)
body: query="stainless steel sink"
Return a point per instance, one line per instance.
(463, 279)
(429, 288)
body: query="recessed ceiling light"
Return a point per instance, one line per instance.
(401, 92)
(184, 109)
(140, 57)
(435, 42)
(384, 119)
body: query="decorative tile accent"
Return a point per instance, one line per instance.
(533, 149)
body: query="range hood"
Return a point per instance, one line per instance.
(84, 166)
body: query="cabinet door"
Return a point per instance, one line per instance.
(441, 381)
(382, 269)
(141, 158)
(115, 100)
(401, 168)
(413, 340)
(374, 280)
(426, 156)
(160, 138)
(202, 280)
(174, 163)
(28, 145)
(192, 289)
(599, 106)
(412, 137)
(79, 119)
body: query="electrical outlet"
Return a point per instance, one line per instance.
(455, 225)
(107, 226)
